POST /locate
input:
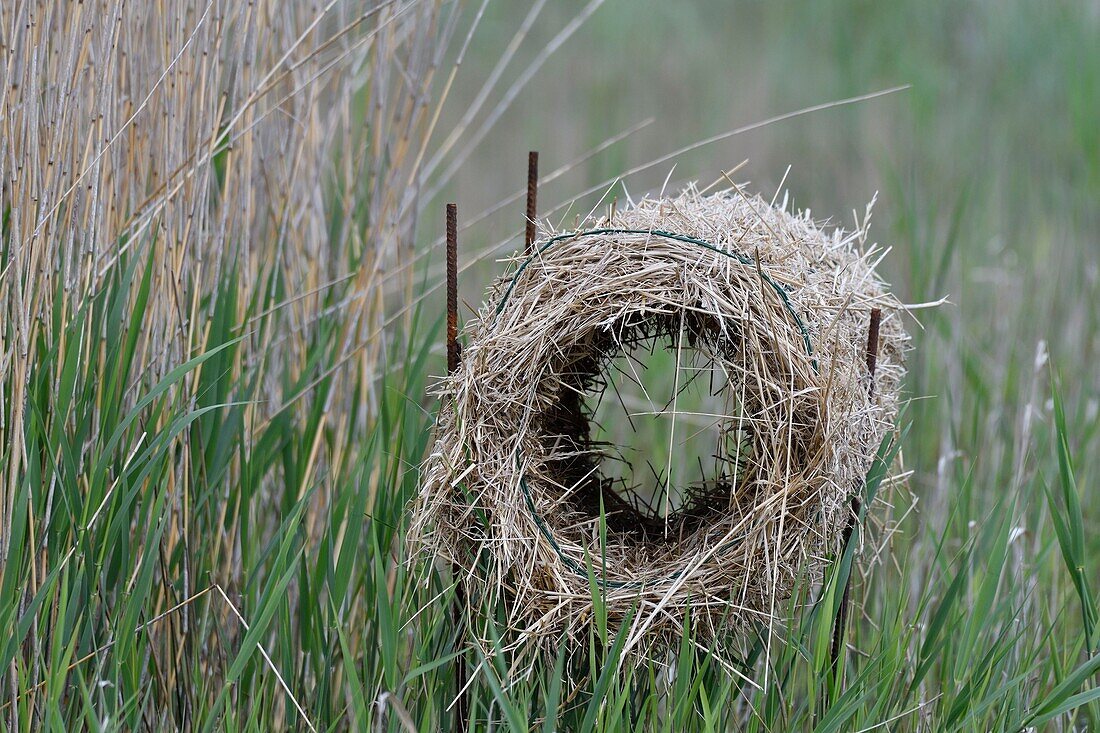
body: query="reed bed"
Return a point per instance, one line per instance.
(180, 178)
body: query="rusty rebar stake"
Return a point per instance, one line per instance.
(840, 624)
(532, 198)
(454, 356)
(872, 348)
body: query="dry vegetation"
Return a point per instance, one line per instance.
(277, 141)
(514, 493)
(229, 170)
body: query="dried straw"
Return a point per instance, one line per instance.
(512, 491)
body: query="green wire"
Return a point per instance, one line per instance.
(739, 256)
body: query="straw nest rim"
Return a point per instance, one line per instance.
(779, 303)
(545, 245)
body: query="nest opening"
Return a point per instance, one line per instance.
(651, 380)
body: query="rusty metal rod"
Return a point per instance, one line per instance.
(872, 348)
(840, 624)
(454, 357)
(532, 197)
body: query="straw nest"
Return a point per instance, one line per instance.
(513, 492)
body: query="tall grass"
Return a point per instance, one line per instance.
(204, 207)
(213, 358)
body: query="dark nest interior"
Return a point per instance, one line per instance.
(579, 462)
